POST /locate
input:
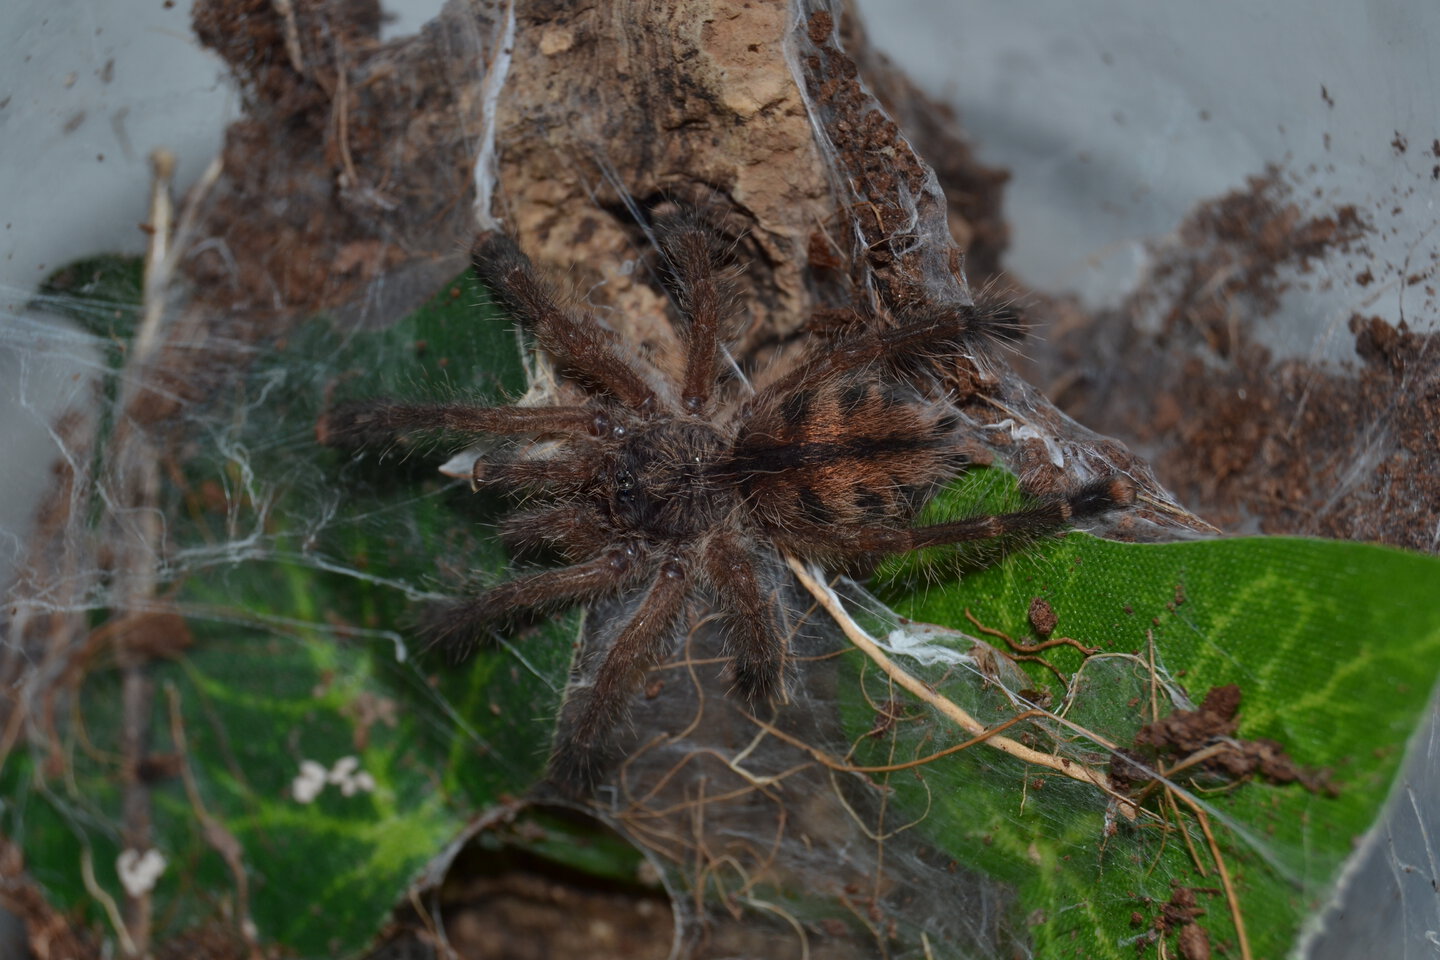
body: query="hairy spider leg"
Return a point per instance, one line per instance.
(457, 625)
(1050, 514)
(594, 711)
(380, 421)
(559, 475)
(576, 528)
(921, 339)
(756, 647)
(583, 346)
(690, 251)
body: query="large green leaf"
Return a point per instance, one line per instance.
(1335, 647)
(295, 568)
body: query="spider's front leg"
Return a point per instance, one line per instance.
(563, 474)
(581, 345)
(701, 287)
(380, 422)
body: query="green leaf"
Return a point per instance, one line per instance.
(562, 836)
(102, 294)
(1334, 646)
(294, 568)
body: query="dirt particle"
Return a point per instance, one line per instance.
(820, 27)
(1194, 942)
(1042, 617)
(556, 41)
(1184, 733)
(1383, 345)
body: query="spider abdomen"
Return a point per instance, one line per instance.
(846, 452)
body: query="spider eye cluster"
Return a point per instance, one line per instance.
(603, 425)
(659, 484)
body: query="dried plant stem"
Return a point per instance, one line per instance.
(286, 9)
(157, 253)
(1233, 901)
(107, 902)
(1019, 647)
(982, 734)
(215, 832)
(826, 760)
(953, 711)
(137, 532)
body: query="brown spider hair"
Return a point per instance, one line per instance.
(658, 489)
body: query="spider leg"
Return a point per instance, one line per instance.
(457, 625)
(576, 528)
(594, 711)
(756, 644)
(582, 345)
(689, 248)
(1048, 515)
(930, 337)
(559, 475)
(377, 422)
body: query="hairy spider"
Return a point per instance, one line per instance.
(655, 491)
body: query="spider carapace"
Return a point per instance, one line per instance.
(655, 490)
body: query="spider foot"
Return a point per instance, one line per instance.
(576, 767)
(756, 680)
(455, 628)
(1098, 496)
(364, 423)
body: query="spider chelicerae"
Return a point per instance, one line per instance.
(658, 489)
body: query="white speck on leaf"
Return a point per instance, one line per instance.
(346, 774)
(139, 871)
(307, 786)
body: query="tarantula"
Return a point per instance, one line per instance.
(655, 491)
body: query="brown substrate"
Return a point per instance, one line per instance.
(1252, 443)
(1291, 448)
